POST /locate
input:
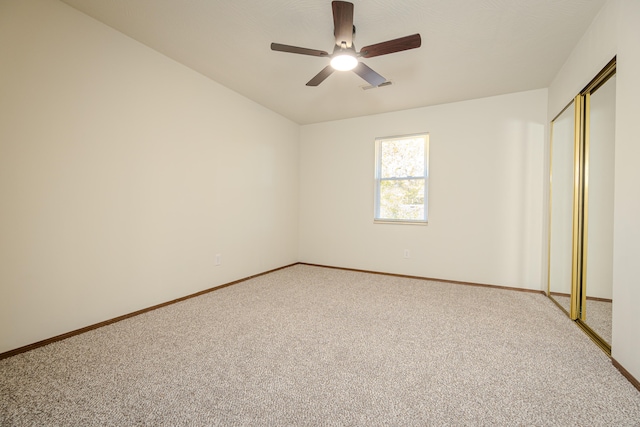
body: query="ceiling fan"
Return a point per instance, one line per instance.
(344, 56)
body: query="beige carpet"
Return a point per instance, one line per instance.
(315, 346)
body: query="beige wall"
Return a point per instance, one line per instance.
(123, 173)
(485, 192)
(626, 281)
(615, 31)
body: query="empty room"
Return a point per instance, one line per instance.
(319, 212)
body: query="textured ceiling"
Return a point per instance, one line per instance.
(470, 48)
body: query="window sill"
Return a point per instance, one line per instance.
(399, 222)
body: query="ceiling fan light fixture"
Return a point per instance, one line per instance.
(344, 62)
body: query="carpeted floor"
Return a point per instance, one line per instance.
(316, 346)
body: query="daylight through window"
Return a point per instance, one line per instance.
(402, 179)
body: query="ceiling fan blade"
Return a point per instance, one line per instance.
(373, 78)
(319, 78)
(294, 49)
(343, 22)
(391, 46)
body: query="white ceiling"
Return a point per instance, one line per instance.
(470, 48)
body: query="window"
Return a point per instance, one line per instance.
(402, 179)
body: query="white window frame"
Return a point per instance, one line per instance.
(378, 179)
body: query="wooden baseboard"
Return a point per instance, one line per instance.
(126, 316)
(455, 282)
(626, 374)
(559, 294)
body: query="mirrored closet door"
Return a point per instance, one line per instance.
(563, 166)
(581, 207)
(600, 110)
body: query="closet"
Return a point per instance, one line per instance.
(581, 191)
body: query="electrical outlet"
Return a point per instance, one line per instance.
(407, 253)
(218, 260)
